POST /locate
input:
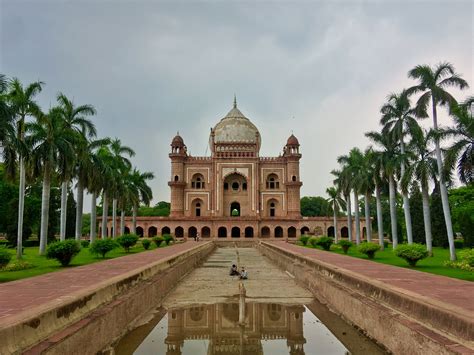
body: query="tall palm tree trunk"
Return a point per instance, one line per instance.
(379, 216)
(335, 222)
(406, 202)
(93, 217)
(442, 188)
(80, 203)
(21, 209)
(122, 222)
(134, 220)
(349, 216)
(393, 210)
(45, 209)
(62, 225)
(357, 217)
(427, 218)
(114, 218)
(368, 222)
(105, 213)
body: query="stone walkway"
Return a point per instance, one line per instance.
(211, 283)
(24, 295)
(450, 291)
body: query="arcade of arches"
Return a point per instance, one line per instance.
(235, 192)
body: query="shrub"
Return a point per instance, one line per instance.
(304, 239)
(127, 241)
(5, 257)
(85, 243)
(411, 252)
(168, 238)
(158, 240)
(466, 262)
(102, 246)
(368, 249)
(146, 244)
(345, 245)
(458, 243)
(18, 266)
(63, 251)
(313, 241)
(467, 256)
(324, 242)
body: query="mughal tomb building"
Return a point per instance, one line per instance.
(235, 192)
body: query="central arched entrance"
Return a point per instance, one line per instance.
(192, 232)
(278, 232)
(235, 233)
(265, 233)
(235, 209)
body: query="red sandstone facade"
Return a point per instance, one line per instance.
(236, 193)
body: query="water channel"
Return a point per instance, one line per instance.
(210, 312)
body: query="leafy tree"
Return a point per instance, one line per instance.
(314, 206)
(437, 222)
(162, 208)
(461, 201)
(337, 204)
(102, 246)
(70, 217)
(416, 209)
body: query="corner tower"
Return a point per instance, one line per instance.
(291, 152)
(177, 183)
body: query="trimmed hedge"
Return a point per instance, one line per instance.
(63, 251)
(412, 253)
(102, 246)
(146, 244)
(127, 241)
(369, 249)
(5, 257)
(345, 245)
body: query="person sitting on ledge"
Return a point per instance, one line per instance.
(233, 270)
(243, 274)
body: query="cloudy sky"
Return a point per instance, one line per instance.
(321, 69)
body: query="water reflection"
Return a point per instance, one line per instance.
(219, 325)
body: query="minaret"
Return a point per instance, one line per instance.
(292, 154)
(177, 183)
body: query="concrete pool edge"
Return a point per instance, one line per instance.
(378, 309)
(32, 328)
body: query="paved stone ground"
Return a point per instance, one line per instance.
(27, 294)
(452, 292)
(211, 282)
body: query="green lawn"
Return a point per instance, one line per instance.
(432, 264)
(43, 265)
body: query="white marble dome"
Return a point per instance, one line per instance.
(235, 127)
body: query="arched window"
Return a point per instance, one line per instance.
(272, 209)
(244, 186)
(293, 178)
(226, 186)
(272, 182)
(235, 186)
(176, 178)
(198, 209)
(197, 181)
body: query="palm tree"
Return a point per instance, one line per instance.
(433, 82)
(141, 193)
(122, 165)
(422, 169)
(23, 105)
(365, 182)
(49, 140)
(9, 144)
(375, 160)
(389, 160)
(342, 181)
(461, 152)
(75, 120)
(352, 166)
(337, 203)
(398, 118)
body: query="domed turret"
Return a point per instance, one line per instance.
(177, 145)
(292, 140)
(235, 127)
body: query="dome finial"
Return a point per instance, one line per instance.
(235, 101)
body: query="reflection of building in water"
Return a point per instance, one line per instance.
(219, 323)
